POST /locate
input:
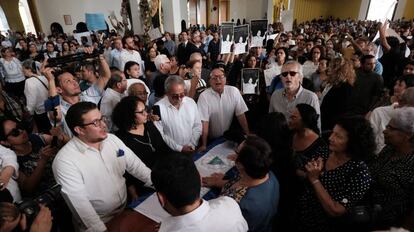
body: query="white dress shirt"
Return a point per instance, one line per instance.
(92, 180)
(219, 215)
(179, 127)
(218, 109)
(130, 55)
(379, 118)
(109, 99)
(9, 158)
(36, 93)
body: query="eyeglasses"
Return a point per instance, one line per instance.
(97, 122)
(145, 110)
(15, 131)
(291, 73)
(177, 96)
(216, 78)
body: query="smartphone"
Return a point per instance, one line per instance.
(156, 111)
(189, 75)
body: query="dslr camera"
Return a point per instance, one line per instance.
(31, 207)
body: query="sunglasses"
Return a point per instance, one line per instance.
(291, 73)
(15, 131)
(177, 96)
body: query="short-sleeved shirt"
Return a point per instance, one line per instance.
(218, 109)
(346, 184)
(280, 103)
(258, 203)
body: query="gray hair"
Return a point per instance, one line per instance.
(172, 80)
(30, 64)
(300, 67)
(160, 59)
(403, 119)
(195, 56)
(407, 97)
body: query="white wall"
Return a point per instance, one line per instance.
(174, 11)
(238, 9)
(399, 12)
(248, 9)
(50, 11)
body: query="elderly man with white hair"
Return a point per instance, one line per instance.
(285, 100)
(180, 124)
(156, 82)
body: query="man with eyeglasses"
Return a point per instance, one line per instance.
(285, 100)
(180, 124)
(217, 105)
(90, 168)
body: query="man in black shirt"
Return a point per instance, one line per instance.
(367, 88)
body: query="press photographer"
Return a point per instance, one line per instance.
(11, 219)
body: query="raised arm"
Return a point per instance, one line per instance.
(48, 73)
(105, 73)
(383, 37)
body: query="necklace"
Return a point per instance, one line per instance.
(149, 142)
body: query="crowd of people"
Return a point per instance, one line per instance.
(327, 144)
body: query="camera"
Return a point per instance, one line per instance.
(31, 207)
(69, 61)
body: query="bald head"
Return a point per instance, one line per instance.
(138, 90)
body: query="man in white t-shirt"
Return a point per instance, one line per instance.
(217, 106)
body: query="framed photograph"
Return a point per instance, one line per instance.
(68, 19)
(258, 32)
(227, 37)
(241, 35)
(250, 80)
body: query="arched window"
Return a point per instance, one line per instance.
(26, 17)
(4, 25)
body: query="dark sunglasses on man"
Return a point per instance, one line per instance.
(291, 73)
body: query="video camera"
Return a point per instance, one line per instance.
(69, 61)
(31, 207)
